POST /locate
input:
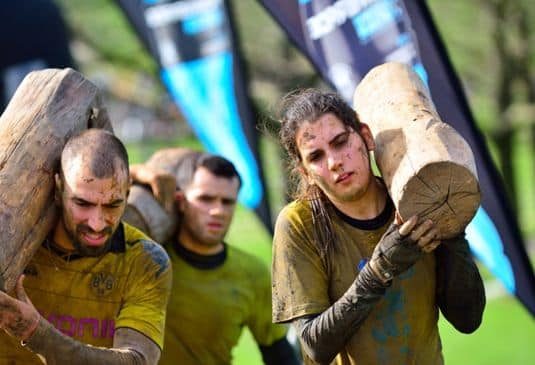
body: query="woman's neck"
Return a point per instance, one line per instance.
(367, 206)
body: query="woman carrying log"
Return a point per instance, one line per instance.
(359, 285)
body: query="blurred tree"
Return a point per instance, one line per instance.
(513, 40)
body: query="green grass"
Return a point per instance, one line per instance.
(506, 336)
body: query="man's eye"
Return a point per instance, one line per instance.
(314, 157)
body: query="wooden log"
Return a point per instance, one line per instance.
(48, 108)
(168, 159)
(144, 211)
(428, 168)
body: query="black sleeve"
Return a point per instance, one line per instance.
(460, 290)
(324, 335)
(279, 352)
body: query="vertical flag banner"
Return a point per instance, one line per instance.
(193, 42)
(344, 39)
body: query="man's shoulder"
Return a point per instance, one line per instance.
(239, 254)
(248, 262)
(140, 246)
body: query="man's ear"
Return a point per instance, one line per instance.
(58, 189)
(180, 200)
(367, 136)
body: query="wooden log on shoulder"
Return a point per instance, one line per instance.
(144, 211)
(48, 108)
(428, 168)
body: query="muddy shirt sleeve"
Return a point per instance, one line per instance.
(460, 290)
(146, 297)
(299, 280)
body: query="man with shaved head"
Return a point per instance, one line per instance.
(96, 291)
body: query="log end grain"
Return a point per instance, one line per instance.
(446, 193)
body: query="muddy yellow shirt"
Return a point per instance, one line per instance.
(213, 298)
(88, 298)
(401, 329)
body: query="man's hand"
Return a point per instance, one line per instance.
(18, 317)
(400, 248)
(162, 184)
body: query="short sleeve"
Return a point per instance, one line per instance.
(147, 292)
(299, 279)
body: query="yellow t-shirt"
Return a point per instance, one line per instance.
(402, 327)
(210, 306)
(87, 298)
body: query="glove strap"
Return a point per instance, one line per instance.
(381, 268)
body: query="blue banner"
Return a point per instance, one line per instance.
(193, 42)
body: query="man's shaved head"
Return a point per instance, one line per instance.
(92, 190)
(97, 149)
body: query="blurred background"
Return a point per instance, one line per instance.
(491, 44)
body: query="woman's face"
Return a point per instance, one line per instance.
(335, 157)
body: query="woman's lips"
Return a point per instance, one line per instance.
(343, 177)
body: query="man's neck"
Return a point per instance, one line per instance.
(193, 245)
(61, 239)
(367, 206)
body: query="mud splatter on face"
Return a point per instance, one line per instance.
(307, 136)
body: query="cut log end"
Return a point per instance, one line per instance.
(444, 192)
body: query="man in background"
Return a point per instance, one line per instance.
(217, 288)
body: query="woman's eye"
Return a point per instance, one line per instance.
(314, 157)
(341, 141)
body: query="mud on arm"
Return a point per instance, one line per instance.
(130, 347)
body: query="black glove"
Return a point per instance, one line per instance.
(394, 254)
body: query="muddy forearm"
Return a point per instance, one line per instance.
(57, 348)
(323, 336)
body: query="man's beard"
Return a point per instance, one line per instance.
(82, 249)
